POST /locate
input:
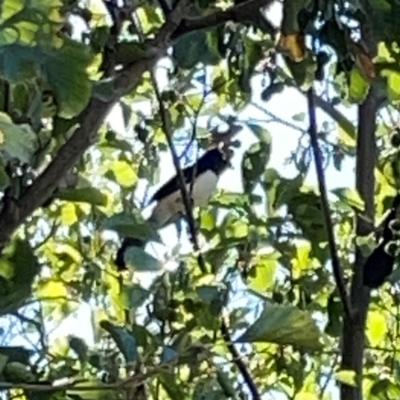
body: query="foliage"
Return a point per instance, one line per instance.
(266, 317)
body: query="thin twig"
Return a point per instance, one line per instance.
(238, 361)
(39, 327)
(246, 11)
(185, 196)
(329, 376)
(337, 269)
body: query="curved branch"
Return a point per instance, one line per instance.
(238, 361)
(244, 12)
(337, 269)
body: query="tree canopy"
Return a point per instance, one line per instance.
(258, 295)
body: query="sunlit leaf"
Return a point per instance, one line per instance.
(265, 266)
(124, 174)
(349, 197)
(284, 325)
(359, 87)
(68, 214)
(50, 288)
(346, 376)
(376, 328)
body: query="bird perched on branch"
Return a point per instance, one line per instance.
(200, 181)
(379, 265)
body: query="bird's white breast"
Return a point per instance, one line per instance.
(173, 205)
(203, 188)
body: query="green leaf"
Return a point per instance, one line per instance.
(376, 328)
(66, 71)
(171, 386)
(265, 266)
(256, 158)
(350, 197)
(31, 22)
(346, 376)
(234, 228)
(52, 289)
(89, 195)
(385, 389)
(393, 83)
(303, 72)
(140, 261)
(22, 256)
(19, 62)
(125, 342)
(260, 133)
(230, 200)
(135, 295)
(133, 225)
(3, 362)
(68, 215)
(4, 178)
(359, 87)
(18, 141)
(79, 346)
(284, 325)
(208, 293)
(299, 117)
(16, 353)
(193, 48)
(124, 174)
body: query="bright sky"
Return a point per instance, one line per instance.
(284, 140)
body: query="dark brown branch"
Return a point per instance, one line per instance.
(245, 12)
(164, 7)
(354, 329)
(337, 269)
(238, 361)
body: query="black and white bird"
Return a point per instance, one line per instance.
(201, 181)
(379, 265)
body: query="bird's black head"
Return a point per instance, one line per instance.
(215, 160)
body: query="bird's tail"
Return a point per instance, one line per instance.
(126, 243)
(165, 213)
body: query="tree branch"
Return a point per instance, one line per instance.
(337, 269)
(238, 361)
(245, 12)
(185, 195)
(354, 329)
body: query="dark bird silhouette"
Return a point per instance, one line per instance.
(379, 265)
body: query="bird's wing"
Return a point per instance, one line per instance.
(172, 185)
(171, 207)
